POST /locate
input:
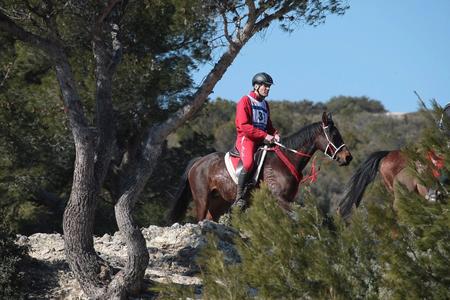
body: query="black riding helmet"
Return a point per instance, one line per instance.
(261, 78)
(446, 113)
(447, 109)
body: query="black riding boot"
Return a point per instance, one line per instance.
(242, 181)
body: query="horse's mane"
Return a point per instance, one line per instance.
(304, 135)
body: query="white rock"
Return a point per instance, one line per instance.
(172, 255)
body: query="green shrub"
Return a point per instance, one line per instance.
(308, 256)
(381, 254)
(12, 257)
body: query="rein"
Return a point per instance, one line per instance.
(292, 150)
(312, 177)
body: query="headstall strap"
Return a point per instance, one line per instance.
(331, 146)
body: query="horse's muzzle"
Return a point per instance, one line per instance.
(344, 157)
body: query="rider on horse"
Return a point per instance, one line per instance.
(254, 127)
(439, 171)
(444, 126)
(443, 121)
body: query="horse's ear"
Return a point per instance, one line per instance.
(325, 119)
(330, 118)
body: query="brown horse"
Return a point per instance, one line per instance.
(394, 171)
(207, 181)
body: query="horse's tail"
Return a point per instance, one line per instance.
(363, 176)
(182, 197)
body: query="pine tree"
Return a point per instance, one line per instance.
(417, 259)
(310, 255)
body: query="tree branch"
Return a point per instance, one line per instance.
(106, 11)
(8, 70)
(225, 28)
(104, 107)
(157, 134)
(250, 24)
(25, 36)
(251, 11)
(63, 71)
(34, 9)
(107, 54)
(264, 22)
(50, 20)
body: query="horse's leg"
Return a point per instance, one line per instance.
(210, 184)
(199, 188)
(209, 210)
(421, 189)
(285, 205)
(282, 185)
(411, 183)
(200, 196)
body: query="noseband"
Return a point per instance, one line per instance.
(331, 147)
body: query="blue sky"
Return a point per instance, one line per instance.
(380, 49)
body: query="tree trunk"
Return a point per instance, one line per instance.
(93, 156)
(78, 222)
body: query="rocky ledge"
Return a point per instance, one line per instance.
(173, 251)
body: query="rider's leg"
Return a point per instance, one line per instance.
(240, 193)
(246, 152)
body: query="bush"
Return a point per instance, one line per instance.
(12, 257)
(418, 258)
(309, 256)
(381, 254)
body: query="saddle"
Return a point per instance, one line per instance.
(233, 163)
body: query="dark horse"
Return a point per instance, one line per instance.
(393, 168)
(207, 181)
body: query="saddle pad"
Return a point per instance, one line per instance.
(230, 167)
(231, 163)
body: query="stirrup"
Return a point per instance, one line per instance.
(432, 195)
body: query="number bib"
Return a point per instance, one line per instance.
(260, 113)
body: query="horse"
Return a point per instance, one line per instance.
(393, 169)
(207, 182)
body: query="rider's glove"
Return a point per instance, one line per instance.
(269, 139)
(276, 137)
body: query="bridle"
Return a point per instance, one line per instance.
(331, 147)
(330, 150)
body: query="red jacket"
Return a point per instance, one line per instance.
(437, 161)
(244, 123)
